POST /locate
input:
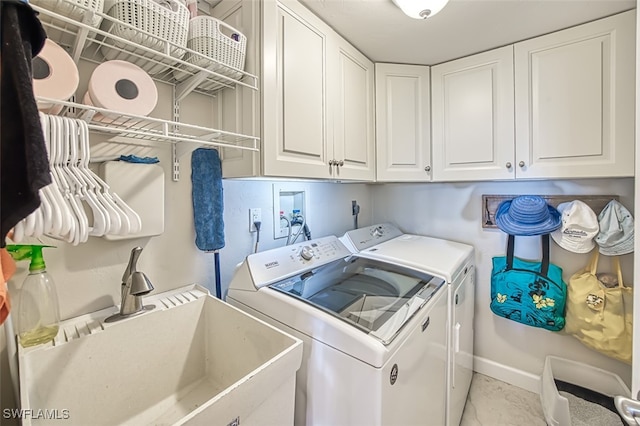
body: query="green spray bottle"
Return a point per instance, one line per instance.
(38, 311)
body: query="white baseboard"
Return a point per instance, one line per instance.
(507, 374)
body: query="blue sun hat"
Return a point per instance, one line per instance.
(527, 215)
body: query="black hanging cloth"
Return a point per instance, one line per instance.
(24, 166)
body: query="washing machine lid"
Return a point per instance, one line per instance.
(375, 297)
(431, 255)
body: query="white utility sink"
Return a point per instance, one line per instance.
(192, 360)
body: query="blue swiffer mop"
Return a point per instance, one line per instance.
(206, 181)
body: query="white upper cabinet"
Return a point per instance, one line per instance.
(403, 140)
(317, 98)
(555, 106)
(353, 120)
(575, 101)
(570, 95)
(296, 121)
(473, 117)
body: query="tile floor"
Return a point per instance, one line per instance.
(495, 403)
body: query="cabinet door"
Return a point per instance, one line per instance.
(294, 92)
(353, 132)
(238, 109)
(575, 101)
(402, 123)
(473, 118)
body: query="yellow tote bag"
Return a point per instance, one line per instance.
(600, 317)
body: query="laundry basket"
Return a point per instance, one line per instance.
(74, 9)
(60, 31)
(159, 25)
(214, 39)
(555, 406)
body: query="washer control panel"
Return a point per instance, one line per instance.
(273, 265)
(364, 238)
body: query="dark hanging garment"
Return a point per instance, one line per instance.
(24, 166)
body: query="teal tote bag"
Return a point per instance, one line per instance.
(530, 293)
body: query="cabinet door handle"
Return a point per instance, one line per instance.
(340, 163)
(427, 169)
(521, 164)
(508, 165)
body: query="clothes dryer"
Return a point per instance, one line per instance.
(452, 261)
(373, 331)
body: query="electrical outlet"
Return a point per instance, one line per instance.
(255, 215)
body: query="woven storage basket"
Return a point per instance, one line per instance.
(74, 9)
(216, 40)
(168, 21)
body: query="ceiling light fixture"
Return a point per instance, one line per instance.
(420, 9)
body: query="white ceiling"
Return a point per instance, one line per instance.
(384, 34)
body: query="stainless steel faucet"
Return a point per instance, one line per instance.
(135, 284)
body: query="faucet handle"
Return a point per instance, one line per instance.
(131, 266)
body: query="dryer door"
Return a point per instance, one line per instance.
(461, 362)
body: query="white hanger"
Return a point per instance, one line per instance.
(72, 195)
(30, 224)
(61, 213)
(134, 218)
(131, 222)
(68, 218)
(74, 182)
(53, 218)
(118, 219)
(39, 228)
(114, 215)
(45, 215)
(57, 220)
(56, 189)
(47, 212)
(18, 232)
(85, 186)
(33, 224)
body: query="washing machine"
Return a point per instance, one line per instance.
(374, 332)
(452, 261)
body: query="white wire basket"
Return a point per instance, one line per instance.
(74, 9)
(158, 25)
(219, 41)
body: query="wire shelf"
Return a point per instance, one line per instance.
(79, 34)
(85, 41)
(137, 127)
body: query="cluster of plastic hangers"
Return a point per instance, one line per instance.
(75, 191)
